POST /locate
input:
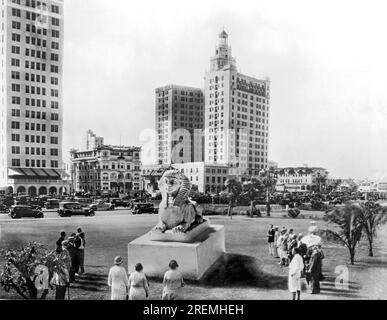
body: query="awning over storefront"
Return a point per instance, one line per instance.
(35, 173)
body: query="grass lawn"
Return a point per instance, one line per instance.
(246, 271)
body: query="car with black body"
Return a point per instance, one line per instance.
(23, 211)
(68, 209)
(144, 207)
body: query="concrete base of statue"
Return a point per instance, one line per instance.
(194, 258)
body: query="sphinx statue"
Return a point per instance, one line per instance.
(176, 211)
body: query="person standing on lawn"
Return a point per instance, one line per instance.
(173, 283)
(61, 239)
(60, 263)
(81, 250)
(270, 239)
(118, 280)
(292, 243)
(314, 270)
(296, 267)
(72, 247)
(276, 236)
(282, 244)
(138, 284)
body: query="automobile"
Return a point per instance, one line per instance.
(145, 207)
(84, 202)
(4, 208)
(102, 206)
(21, 211)
(68, 209)
(132, 203)
(117, 202)
(52, 204)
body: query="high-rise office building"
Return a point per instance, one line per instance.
(236, 115)
(179, 124)
(31, 108)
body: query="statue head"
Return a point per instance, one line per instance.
(175, 184)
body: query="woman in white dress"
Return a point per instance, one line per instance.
(173, 283)
(296, 267)
(118, 280)
(138, 284)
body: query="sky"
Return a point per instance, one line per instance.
(326, 61)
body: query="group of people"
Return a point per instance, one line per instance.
(67, 261)
(136, 286)
(304, 259)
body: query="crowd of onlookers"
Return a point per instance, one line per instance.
(304, 258)
(63, 264)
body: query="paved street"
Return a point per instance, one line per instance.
(52, 214)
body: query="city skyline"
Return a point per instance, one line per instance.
(327, 72)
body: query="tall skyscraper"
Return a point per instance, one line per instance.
(31, 115)
(179, 124)
(236, 115)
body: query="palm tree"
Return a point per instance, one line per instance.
(268, 179)
(234, 188)
(372, 216)
(252, 189)
(349, 223)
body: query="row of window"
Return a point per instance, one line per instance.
(15, 137)
(32, 163)
(31, 76)
(35, 102)
(38, 4)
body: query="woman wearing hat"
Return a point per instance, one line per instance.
(173, 283)
(138, 284)
(276, 236)
(118, 280)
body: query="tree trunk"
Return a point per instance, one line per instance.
(31, 289)
(352, 256)
(252, 208)
(370, 247)
(229, 213)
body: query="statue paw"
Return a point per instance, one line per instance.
(160, 228)
(178, 229)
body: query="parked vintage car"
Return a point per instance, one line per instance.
(19, 211)
(118, 202)
(67, 209)
(84, 202)
(4, 208)
(52, 204)
(133, 202)
(145, 207)
(102, 206)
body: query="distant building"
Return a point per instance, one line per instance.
(237, 109)
(208, 178)
(92, 141)
(105, 169)
(272, 164)
(300, 179)
(179, 124)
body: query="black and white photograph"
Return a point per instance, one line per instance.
(193, 151)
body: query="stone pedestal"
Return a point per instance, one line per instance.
(194, 258)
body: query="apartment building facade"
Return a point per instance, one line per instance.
(179, 124)
(31, 101)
